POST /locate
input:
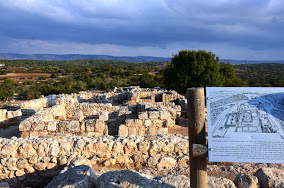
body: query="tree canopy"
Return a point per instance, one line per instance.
(197, 69)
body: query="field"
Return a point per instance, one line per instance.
(25, 76)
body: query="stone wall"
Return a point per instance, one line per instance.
(90, 127)
(148, 123)
(70, 114)
(7, 117)
(22, 158)
(171, 107)
(35, 104)
(70, 117)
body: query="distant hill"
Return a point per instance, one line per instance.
(250, 62)
(56, 57)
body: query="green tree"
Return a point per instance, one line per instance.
(7, 89)
(195, 69)
(148, 80)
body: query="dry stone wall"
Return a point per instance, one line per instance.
(35, 104)
(148, 123)
(7, 116)
(24, 157)
(78, 114)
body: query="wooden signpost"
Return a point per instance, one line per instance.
(243, 123)
(197, 137)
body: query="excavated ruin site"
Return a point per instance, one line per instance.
(121, 138)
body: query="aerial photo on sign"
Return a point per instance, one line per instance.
(245, 124)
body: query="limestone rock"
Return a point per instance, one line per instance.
(25, 125)
(78, 115)
(2, 114)
(51, 126)
(167, 162)
(110, 162)
(103, 115)
(78, 177)
(53, 149)
(26, 150)
(22, 163)
(11, 163)
(270, 177)
(147, 123)
(123, 130)
(8, 150)
(164, 115)
(40, 166)
(14, 114)
(90, 125)
(178, 181)
(245, 181)
(100, 126)
(154, 114)
(143, 115)
(214, 182)
(73, 126)
(128, 178)
(78, 161)
(152, 161)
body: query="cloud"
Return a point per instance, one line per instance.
(256, 25)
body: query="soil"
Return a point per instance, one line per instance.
(21, 77)
(229, 172)
(25, 75)
(181, 128)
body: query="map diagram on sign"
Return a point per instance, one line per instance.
(235, 111)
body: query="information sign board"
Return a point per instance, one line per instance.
(245, 124)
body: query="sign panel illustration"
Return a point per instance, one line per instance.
(245, 124)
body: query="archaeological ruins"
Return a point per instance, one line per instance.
(126, 128)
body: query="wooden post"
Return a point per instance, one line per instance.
(197, 135)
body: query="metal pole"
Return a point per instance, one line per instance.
(197, 136)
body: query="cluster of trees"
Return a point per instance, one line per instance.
(7, 89)
(187, 69)
(199, 69)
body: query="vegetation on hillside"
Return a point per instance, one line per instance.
(265, 74)
(79, 75)
(187, 69)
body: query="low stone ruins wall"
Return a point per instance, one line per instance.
(123, 106)
(35, 104)
(22, 158)
(70, 117)
(148, 123)
(6, 116)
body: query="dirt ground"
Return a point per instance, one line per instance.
(181, 128)
(25, 75)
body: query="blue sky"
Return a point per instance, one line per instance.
(235, 29)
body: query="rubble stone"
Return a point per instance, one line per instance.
(270, 177)
(77, 177)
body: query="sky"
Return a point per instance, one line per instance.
(231, 29)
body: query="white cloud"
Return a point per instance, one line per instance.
(135, 27)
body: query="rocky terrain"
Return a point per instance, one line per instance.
(123, 138)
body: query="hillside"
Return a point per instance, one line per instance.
(56, 57)
(64, 57)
